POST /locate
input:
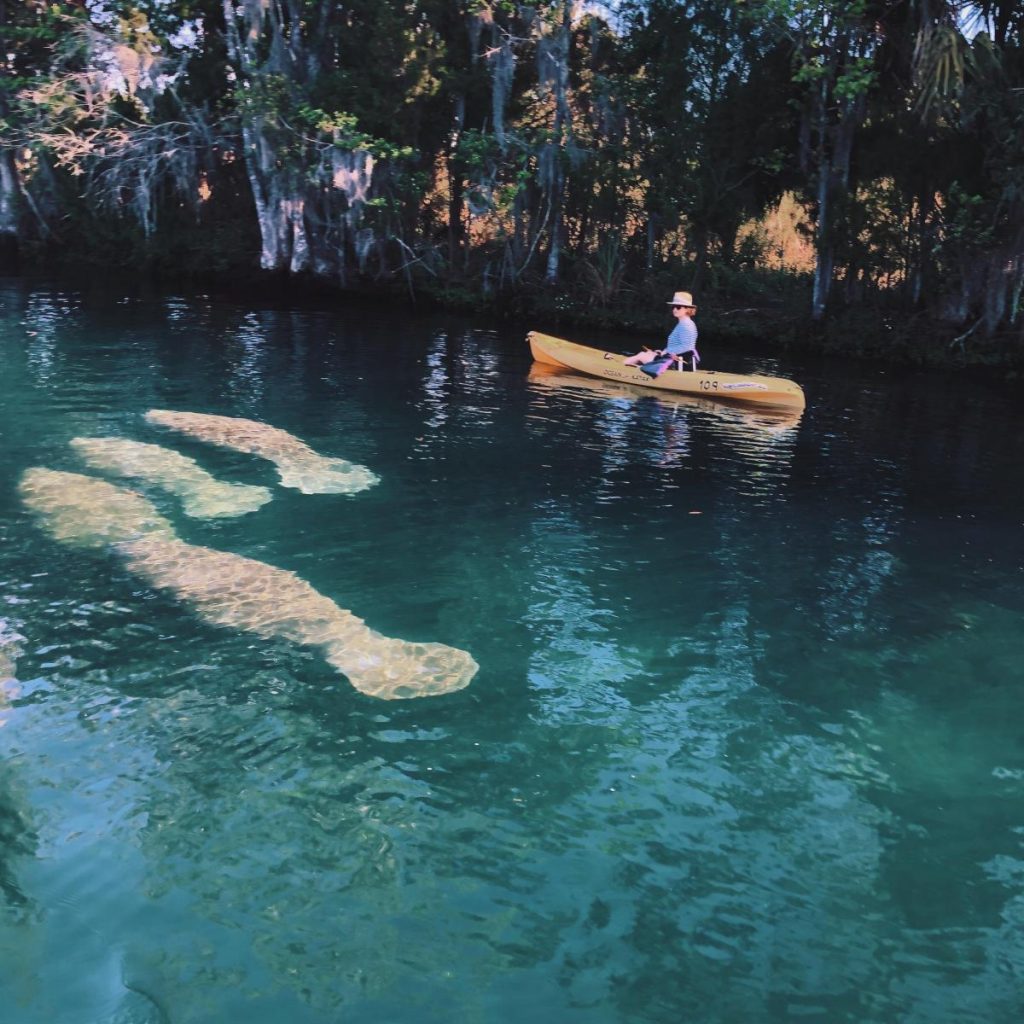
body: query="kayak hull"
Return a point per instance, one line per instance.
(732, 387)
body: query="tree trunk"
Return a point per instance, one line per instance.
(835, 121)
(10, 211)
(280, 207)
(554, 248)
(456, 187)
(700, 258)
(833, 185)
(926, 245)
(295, 211)
(554, 179)
(822, 242)
(1016, 288)
(270, 249)
(280, 213)
(10, 197)
(727, 235)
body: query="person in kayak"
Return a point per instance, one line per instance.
(681, 346)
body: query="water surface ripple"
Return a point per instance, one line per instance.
(744, 743)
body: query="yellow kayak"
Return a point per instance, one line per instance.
(733, 417)
(735, 387)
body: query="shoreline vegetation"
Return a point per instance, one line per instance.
(754, 322)
(836, 176)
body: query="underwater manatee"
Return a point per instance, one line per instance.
(202, 496)
(231, 590)
(297, 464)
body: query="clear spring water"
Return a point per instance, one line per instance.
(746, 741)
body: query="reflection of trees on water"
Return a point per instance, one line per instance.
(459, 390)
(252, 357)
(917, 704)
(29, 353)
(50, 972)
(946, 730)
(18, 843)
(817, 571)
(17, 839)
(10, 649)
(353, 871)
(43, 317)
(246, 350)
(62, 347)
(719, 896)
(642, 431)
(253, 362)
(748, 450)
(680, 861)
(67, 876)
(759, 832)
(671, 818)
(577, 668)
(717, 804)
(803, 800)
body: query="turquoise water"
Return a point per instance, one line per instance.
(745, 743)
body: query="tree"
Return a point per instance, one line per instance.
(835, 43)
(27, 31)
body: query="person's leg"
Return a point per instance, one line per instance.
(640, 359)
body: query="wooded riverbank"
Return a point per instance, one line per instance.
(773, 324)
(830, 173)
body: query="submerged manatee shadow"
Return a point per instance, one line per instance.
(202, 496)
(297, 464)
(231, 590)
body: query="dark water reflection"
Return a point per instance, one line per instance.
(744, 744)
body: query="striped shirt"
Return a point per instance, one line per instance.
(683, 337)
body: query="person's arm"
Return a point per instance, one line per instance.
(674, 343)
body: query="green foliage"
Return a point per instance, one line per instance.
(345, 134)
(466, 142)
(477, 150)
(603, 275)
(965, 223)
(857, 78)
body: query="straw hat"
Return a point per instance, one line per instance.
(682, 299)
